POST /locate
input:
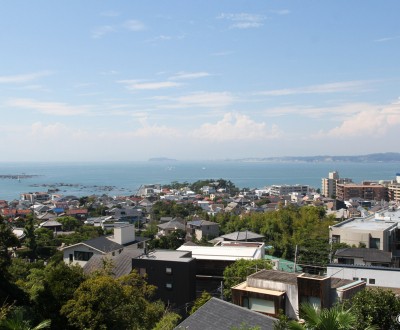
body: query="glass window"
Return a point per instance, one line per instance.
(168, 286)
(375, 243)
(82, 255)
(371, 281)
(168, 270)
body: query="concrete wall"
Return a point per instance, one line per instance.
(385, 277)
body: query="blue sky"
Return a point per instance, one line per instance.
(131, 80)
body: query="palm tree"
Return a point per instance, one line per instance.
(15, 321)
(335, 318)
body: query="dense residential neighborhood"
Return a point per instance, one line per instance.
(258, 255)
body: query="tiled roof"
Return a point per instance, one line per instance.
(103, 244)
(373, 255)
(122, 262)
(217, 314)
(242, 236)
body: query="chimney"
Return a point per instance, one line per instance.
(124, 234)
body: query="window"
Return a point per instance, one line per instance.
(363, 279)
(335, 238)
(82, 255)
(371, 281)
(374, 243)
(355, 278)
(168, 286)
(346, 261)
(142, 271)
(168, 270)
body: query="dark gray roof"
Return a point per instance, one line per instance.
(122, 262)
(103, 244)
(200, 222)
(173, 224)
(276, 276)
(372, 255)
(217, 314)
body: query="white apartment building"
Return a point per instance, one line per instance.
(280, 190)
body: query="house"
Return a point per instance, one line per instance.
(173, 273)
(217, 314)
(53, 225)
(200, 229)
(126, 214)
(81, 253)
(121, 263)
(269, 291)
(169, 227)
(212, 260)
(364, 257)
(385, 277)
(376, 231)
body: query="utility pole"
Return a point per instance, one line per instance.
(295, 259)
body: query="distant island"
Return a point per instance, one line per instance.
(162, 159)
(378, 157)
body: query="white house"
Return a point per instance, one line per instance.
(123, 236)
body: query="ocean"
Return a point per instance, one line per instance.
(125, 178)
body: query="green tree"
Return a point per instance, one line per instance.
(50, 288)
(69, 223)
(169, 321)
(103, 302)
(375, 306)
(7, 240)
(239, 270)
(169, 242)
(30, 238)
(335, 318)
(205, 296)
(16, 320)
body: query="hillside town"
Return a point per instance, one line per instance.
(298, 245)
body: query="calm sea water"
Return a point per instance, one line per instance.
(124, 178)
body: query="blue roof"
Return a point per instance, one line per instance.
(58, 210)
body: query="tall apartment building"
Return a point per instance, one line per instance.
(394, 189)
(280, 190)
(329, 183)
(346, 191)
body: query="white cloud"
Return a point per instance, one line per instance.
(159, 131)
(49, 108)
(200, 99)
(371, 122)
(344, 86)
(243, 20)
(189, 75)
(236, 127)
(328, 112)
(100, 31)
(137, 85)
(134, 25)
(387, 39)
(280, 12)
(23, 78)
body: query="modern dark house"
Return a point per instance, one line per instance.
(173, 273)
(269, 291)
